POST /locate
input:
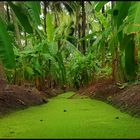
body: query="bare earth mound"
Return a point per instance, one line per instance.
(126, 99)
(13, 97)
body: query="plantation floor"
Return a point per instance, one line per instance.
(63, 117)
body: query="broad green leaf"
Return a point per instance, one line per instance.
(6, 51)
(22, 17)
(59, 59)
(49, 27)
(129, 57)
(47, 56)
(109, 11)
(53, 48)
(99, 5)
(133, 19)
(37, 67)
(34, 10)
(29, 70)
(122, 12)
(70, 47)
(119, 19)
(105, 33)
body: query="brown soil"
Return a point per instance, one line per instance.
(127, 99)
(13, 97)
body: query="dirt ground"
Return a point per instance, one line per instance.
(13, 97)
(127, 99)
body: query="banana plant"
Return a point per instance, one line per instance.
(6, 48)
(30, 11)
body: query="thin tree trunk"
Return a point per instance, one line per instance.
(2, 72)
(83, 27)
(8, 12)
(2, 13)
(103, 42)
(77, 27)
(79, 36)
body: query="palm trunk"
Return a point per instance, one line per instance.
(45, 12)
(2, 13)
(79, 36)
(77, 33)
(8, 12)
(2, 72)
(103, 42)
(83, 27)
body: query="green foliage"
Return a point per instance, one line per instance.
(50, 27)
(35, 62)
(35, 11)
(122, 12)
(119, 19)
(53, 47)
(129, 58)
(6, 51)
(99, 5)
(20, 10)
(133, 19)
(56, 53)
(77, 68)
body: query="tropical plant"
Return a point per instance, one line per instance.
(55, 43)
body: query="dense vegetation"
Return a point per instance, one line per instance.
(53, 47)
(56, 44)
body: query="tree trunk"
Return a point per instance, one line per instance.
(77, 33)
(103, 42)
(45, 12)
(83, 27)
(79, 36)
(2, 13)
(2, 73)
(8, 12)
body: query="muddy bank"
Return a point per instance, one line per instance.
(13, 97)
(126, 98)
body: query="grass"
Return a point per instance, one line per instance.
(70, 118)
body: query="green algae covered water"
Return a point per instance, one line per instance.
(62, 117)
